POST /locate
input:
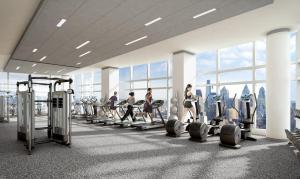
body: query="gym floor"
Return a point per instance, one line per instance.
(111, 152)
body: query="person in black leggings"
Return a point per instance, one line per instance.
(130, 102)
(187, 104)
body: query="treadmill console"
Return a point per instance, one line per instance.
(139, 103)
(157, 103)
(122, 103)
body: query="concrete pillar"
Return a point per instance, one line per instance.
(278, 83)
(110, 81)
(183, 73)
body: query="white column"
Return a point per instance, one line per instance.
(183, 73)
(278, 83)
(298, 76)
(110, 81)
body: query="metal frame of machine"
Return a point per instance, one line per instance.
(4, 107)
(59, 126)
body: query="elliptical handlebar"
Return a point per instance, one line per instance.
(252, 118)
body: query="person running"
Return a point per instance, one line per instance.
(187, 104)
(148, 104)
(113, 99)
(130, 102)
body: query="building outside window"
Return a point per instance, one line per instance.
(240, 70)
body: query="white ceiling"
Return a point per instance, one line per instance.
(109, 24)
(14, 17)
(243, 28)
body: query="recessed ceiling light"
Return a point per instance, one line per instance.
(153, 21)
(18, 67)
(79, 63)
(34, 50)
(83, 44)
(60, 70)
(61, 22)
(34, 72)
(134, 41)
(46, 72)
(204, 13)
(43, 58)
(33, 65)
(84, 54)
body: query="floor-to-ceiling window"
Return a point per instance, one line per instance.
(87, 83)
(240, 69)
(140, 77)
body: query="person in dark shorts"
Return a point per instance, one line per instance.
(130, 102)
(187, 103)
(148, 104)
(113, 99)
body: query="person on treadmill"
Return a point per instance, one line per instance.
(113, 99)
(130, 102)
(148, 104)
(187, 103)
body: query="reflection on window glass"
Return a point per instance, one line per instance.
(140, 72)
(15, 77)
(206, 61)
(236, 76)
(140, 94)
(87, 78)
(87, 83)
(237, 56)
(293, 47)
(124, 86)
(3, 77)
(293, 71)
(260, 74)
(293, 104)
(161, 94)
(139, 84)
(261, 118)
(97, 76)
(158, 83)
(260, 52)
(202, 79)
(159, 70)
(124, 74)
(123, 94)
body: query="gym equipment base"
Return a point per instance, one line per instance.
(238, 146)
(197, 140)
(174, 135)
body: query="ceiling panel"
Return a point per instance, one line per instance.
(109, 24)
(40, 68)
(43, 26)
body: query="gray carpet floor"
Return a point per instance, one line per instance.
(112, 152)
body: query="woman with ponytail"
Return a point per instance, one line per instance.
(187, 104)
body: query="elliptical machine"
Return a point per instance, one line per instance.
(199, 131)
(231, 135)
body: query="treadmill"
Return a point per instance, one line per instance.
(110, 120)
(157, 124)
(136, 109)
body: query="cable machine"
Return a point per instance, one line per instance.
(59, 122)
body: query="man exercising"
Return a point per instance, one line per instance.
(113, 99)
